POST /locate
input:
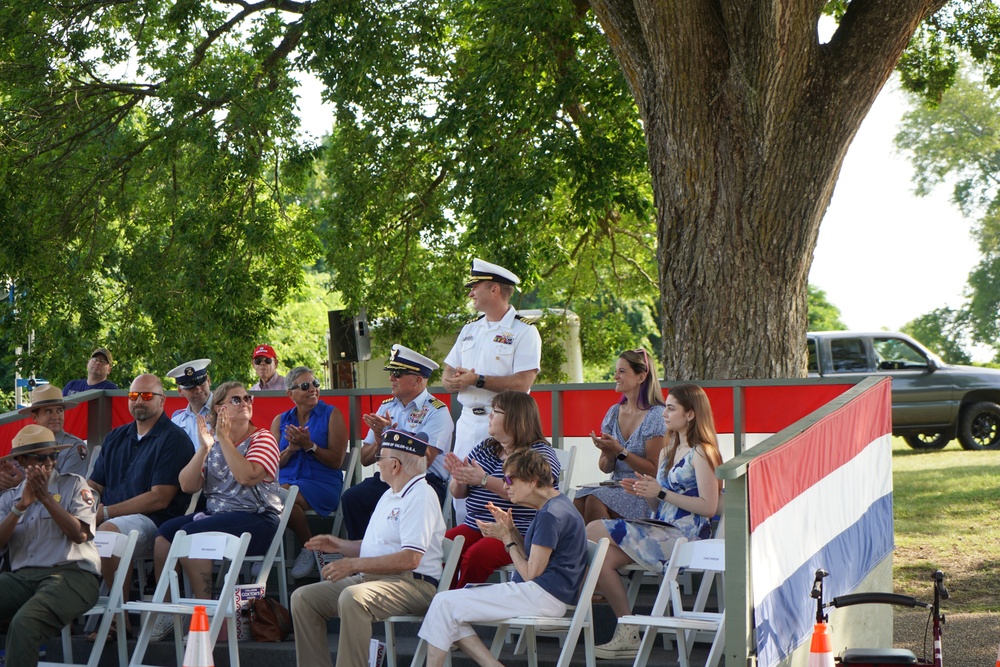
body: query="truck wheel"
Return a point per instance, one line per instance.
(927, 441)
(979, 427)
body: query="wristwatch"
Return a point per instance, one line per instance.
(662, 495)
(481, 382)
(312, 450)
(486, 478)
(623, 454)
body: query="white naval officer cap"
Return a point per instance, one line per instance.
(483, 270)
(406, 360)
(191, 373)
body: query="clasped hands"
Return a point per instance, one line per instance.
(460, 379)
(642, 485)
(463, 471)
(502, 527)
(298, 437)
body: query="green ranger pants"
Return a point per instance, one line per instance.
(38, 602)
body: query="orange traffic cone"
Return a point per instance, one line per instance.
(998, 656)
(821, 650)
(199, 649)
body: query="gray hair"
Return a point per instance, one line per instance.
(413, 465)
(294, 374)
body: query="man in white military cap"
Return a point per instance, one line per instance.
(411, 409)
(47, 409)
(496, 352)
(193, 384)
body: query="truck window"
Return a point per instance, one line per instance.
(812, 366)
(894, 354)
(848, 355)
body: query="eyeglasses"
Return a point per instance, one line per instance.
(236, 400)
(144, 395)
(508, 480)
(266, 361)
(42, 458)
(399, 374)
(645, 355)
(304, 386)
(382, 457)
(101, 360)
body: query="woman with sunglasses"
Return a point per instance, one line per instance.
(683, 498)
(514, 426)
(550, 559)
(236, 469)
(47, 525)
(631, 439)
(312, 438)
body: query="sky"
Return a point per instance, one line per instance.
(884, 255)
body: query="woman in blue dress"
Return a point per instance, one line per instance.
(631, 439)
(683, 497)
(312, 439)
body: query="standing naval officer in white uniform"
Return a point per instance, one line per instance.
(496, 352)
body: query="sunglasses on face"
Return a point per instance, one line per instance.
(508, 480)
(144, 395)
(399, 374)
(304, 386)
(42, 458)
(237, 400)
(265, 361)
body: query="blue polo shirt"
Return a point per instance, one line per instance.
(128, 466)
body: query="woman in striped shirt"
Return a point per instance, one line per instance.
(515, 425)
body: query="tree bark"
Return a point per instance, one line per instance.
(747, 120)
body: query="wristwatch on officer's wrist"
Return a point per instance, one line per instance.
(481, 382)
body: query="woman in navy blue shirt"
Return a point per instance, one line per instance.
(551, 559)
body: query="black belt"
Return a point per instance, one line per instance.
(479, 411)
(430, 580)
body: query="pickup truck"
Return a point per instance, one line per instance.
(932, 402)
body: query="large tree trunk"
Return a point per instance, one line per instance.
(747, 120)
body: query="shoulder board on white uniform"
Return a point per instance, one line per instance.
(438, 403)
(527, 320)
(388, 400)
(476, 319)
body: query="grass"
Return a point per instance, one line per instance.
(947, 517)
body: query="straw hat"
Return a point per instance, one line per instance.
(33, 439)
(46, 395)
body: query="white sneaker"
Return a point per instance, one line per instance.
(255, 570)
(162, 628)
(304, 565)
(624, 644)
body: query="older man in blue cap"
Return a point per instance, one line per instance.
(411, 409)
(194, 385)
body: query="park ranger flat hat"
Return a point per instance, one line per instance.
(46, 395)
(483, 270)
(406, 360)
(405, 442)
(191, 373)
(33, 439)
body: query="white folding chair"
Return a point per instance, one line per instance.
(144, 566)
(452, 553)
(579, 618)
(566, 459)
(212, 546)
(275, 555)
(109, 606)
(688, 626)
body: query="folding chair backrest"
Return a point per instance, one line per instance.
(210, 546)
(279, 534)
(566, 459)
(452, 550)
(706, 556)
(595, 559)
(117, 545)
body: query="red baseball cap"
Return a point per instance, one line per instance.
(263, 351)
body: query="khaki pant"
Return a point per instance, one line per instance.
(358, 601)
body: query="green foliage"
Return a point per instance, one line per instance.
(958, 141)
(941, 331)
(931, 61)
(823, 315)
(301, 326)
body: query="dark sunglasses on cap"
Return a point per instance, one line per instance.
(42, 458)
(236, 400)
(262, 360)
(304, 386)
(144, 395)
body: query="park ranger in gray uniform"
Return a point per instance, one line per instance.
(47, 525)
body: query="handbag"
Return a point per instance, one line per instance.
(269, 621)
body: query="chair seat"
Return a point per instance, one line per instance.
(884, 656)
